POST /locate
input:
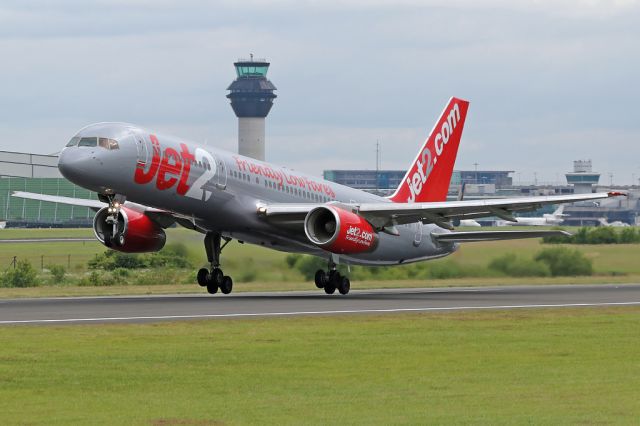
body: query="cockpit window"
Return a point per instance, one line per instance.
(88, 142)
(108, 143)
(74, 141)
(105, 143)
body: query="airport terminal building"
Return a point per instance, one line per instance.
(39, 174)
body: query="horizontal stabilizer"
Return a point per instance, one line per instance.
(471, 236)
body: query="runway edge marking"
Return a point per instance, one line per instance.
(346, 311)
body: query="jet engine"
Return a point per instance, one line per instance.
(134, 231)
(339, 231)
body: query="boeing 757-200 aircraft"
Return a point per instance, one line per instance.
(147, 181)
(547, 219)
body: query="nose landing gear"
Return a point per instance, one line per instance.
(332, 280)
(214, 279)
(116, 238)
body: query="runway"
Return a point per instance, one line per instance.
(246, 305)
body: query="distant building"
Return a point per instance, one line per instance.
(582, 178)
(386, 181)
(39, 174)
(499, 178)
(382, 181)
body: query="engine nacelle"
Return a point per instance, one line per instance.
(136, 232)
(339, 231)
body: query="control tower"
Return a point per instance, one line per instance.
(251, 99)
(582, 177)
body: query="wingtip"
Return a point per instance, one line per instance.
(617, 194)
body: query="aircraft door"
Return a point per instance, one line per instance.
(142, 148)
(417, 238)
(221, 168)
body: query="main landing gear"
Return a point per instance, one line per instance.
(214, 279)
(332, 280)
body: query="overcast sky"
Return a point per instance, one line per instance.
(548, 81)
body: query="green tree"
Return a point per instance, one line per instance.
(57, 273)
(23, 275)
(563, 261)
(514, 266)
(629, 236)
(603, 235)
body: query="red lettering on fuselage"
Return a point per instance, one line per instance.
(187, 158)
(281, 177)
(168, 167)
(143, 177)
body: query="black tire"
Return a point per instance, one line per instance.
(321, 278)
(227, 285)
(120, 240)
(212, 288)
(329, 288)
(345, 285)
(202, 277)
(217, 276)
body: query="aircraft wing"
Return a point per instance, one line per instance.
(161, 217)
(81, 202)
(440, 213)
(382, 215)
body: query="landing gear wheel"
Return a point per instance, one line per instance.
(202, 277)
(227, 285)
(212, 286)
(329, 288)
(321, 278)
(332, 282)
(217, 276)
(120, 240)
(344, 286)
(215, 279)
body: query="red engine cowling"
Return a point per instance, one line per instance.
(136, 232)
(339, 231)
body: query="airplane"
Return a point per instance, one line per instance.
(147, 182)
(469, 223)
(615, 224)
(555, 218)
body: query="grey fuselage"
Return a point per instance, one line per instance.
(221, 191)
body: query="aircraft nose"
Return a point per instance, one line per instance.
(77, 165)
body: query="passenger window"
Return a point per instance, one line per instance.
(74, 141)
(88, 142)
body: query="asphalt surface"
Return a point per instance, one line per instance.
(119, 309)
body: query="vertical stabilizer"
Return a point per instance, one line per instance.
(429, 176)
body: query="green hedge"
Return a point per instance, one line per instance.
(599, 235)
(557, 261)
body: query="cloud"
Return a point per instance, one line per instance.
(547, 80)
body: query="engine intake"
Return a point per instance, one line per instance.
(339, 231)
(136, 232)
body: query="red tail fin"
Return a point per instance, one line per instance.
(430, 174)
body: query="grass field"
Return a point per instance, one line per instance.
(569, 366)
(612, 263)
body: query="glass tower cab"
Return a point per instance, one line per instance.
(251, 94)
(251, 69)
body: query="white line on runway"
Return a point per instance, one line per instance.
(346, 311)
